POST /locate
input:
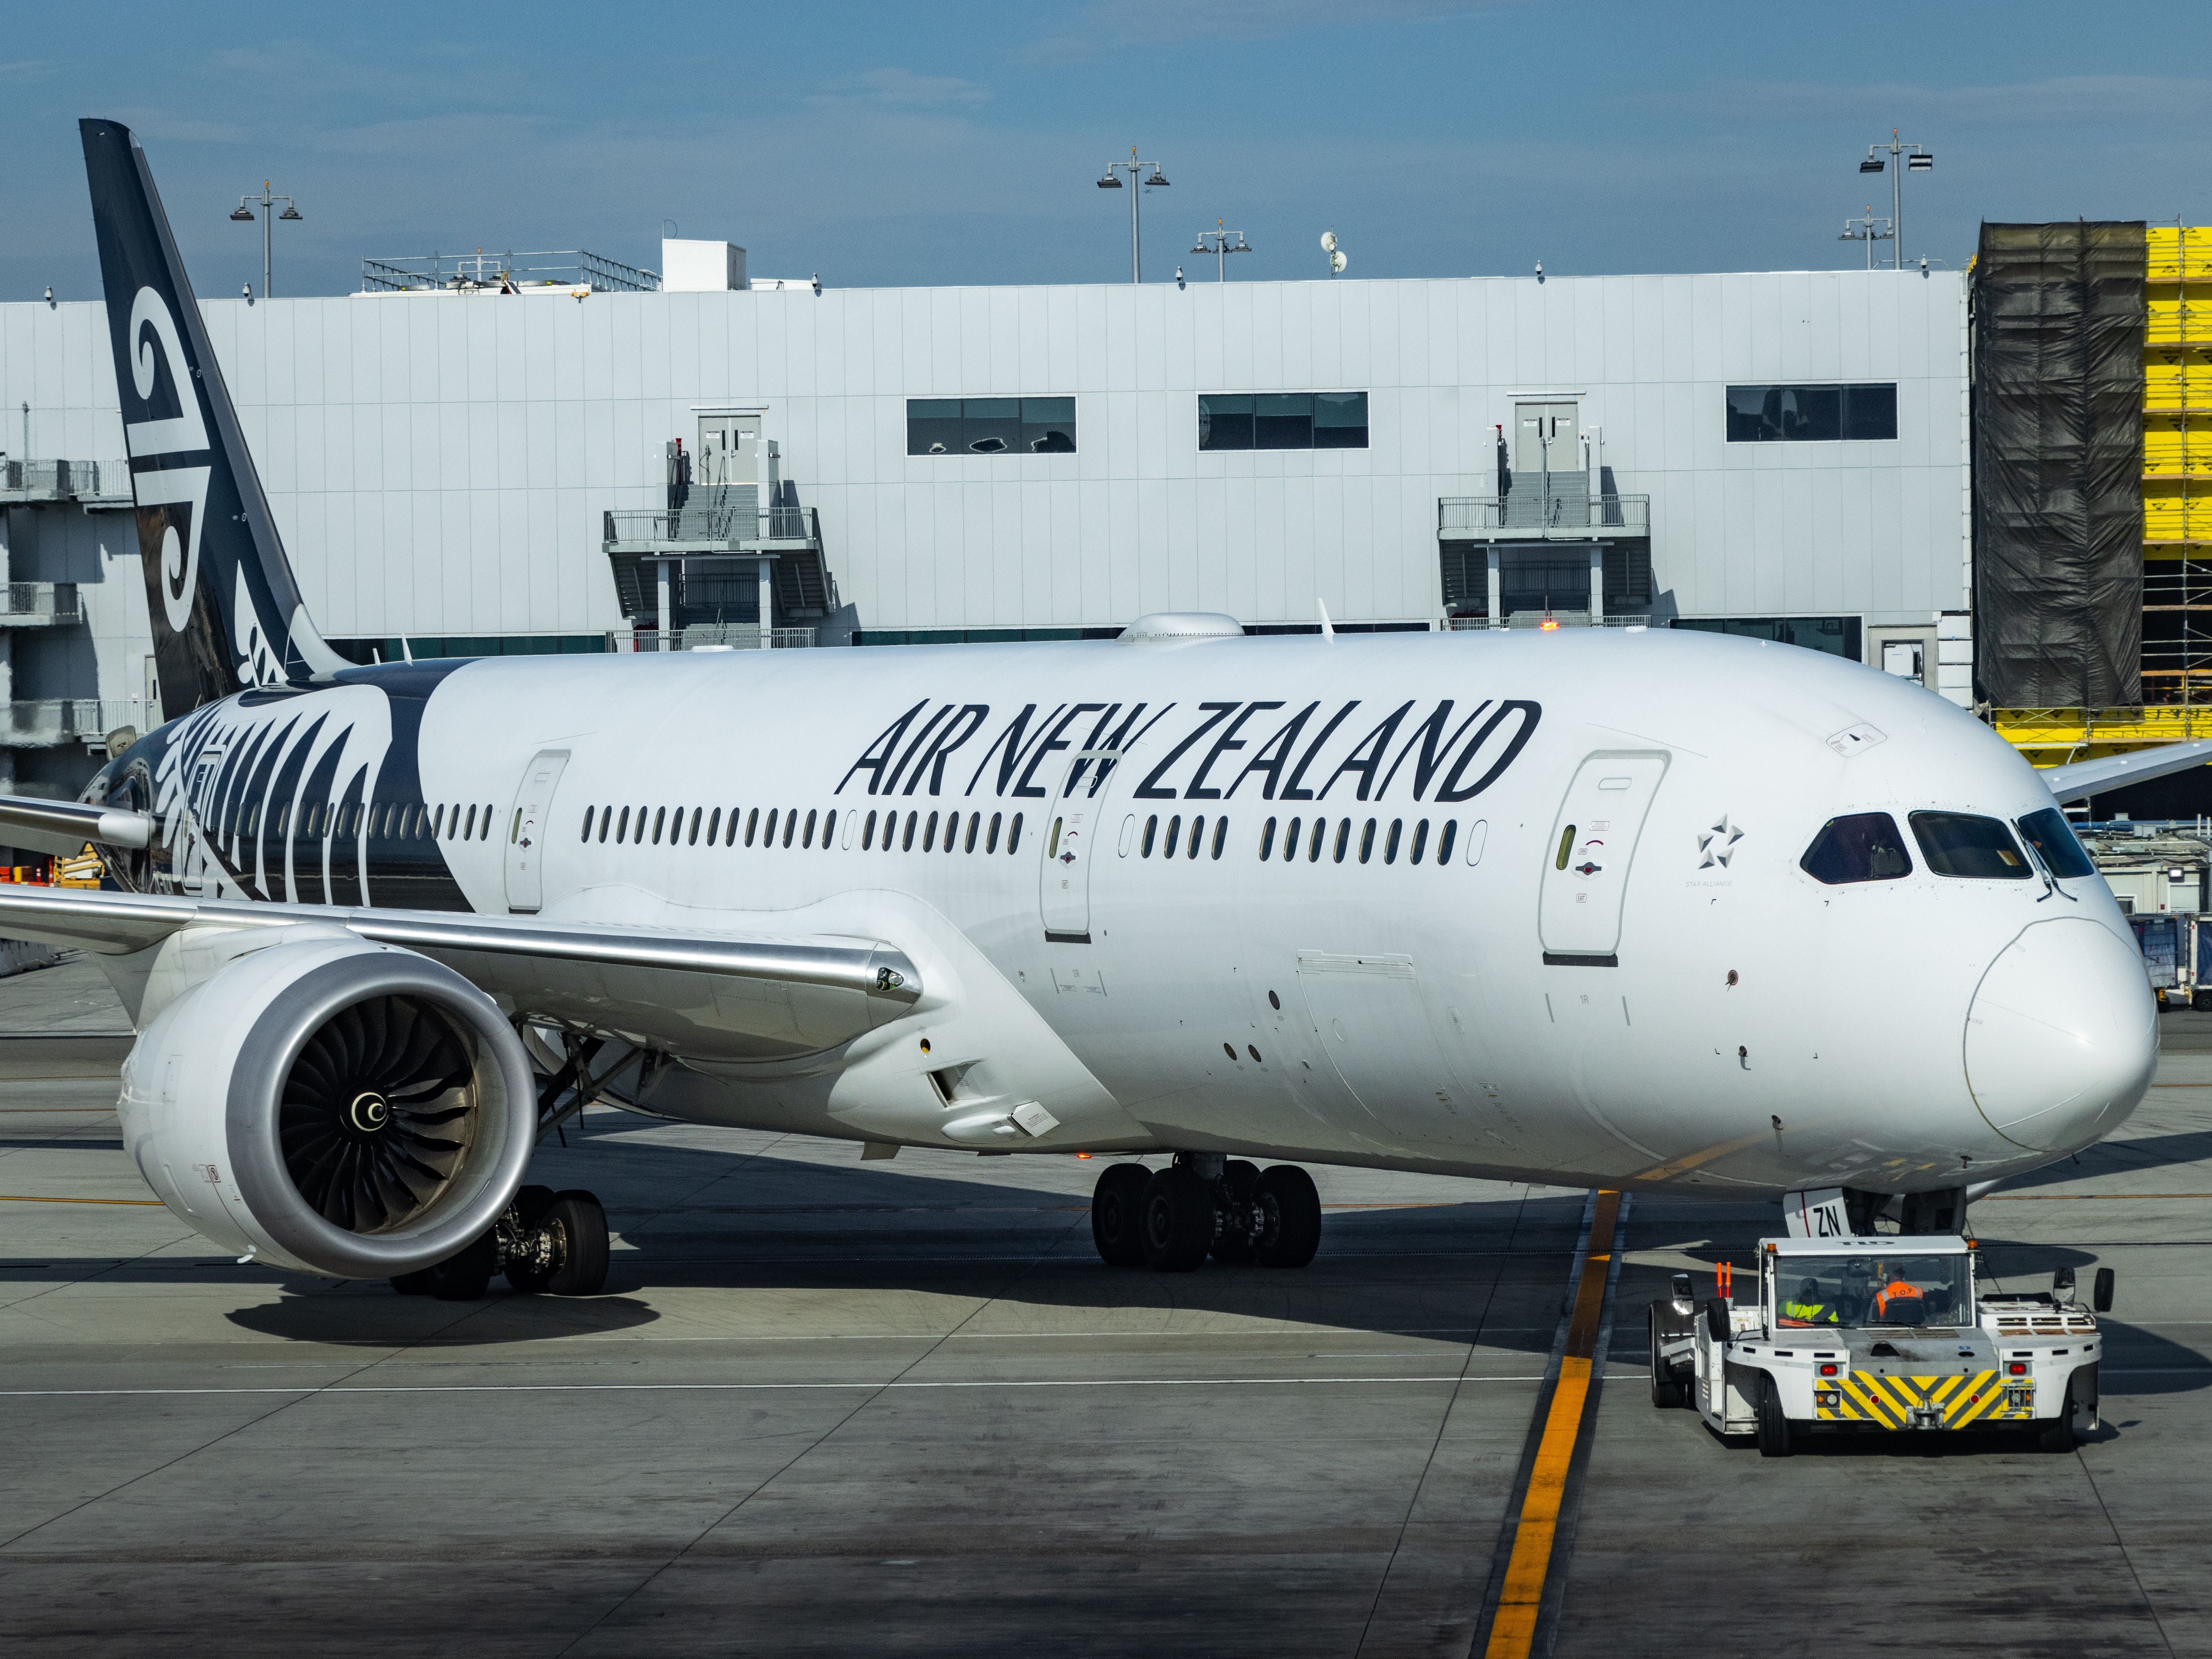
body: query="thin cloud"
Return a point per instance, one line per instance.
(173, 129)
(898, 89)
(22, 73)
(2060, 101)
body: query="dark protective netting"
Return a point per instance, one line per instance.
(2058, 319)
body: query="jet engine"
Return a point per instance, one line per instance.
(323, 1103)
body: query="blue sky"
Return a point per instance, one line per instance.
(888, 145)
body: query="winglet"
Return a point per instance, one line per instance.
(1327, 631)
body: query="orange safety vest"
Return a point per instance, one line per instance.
(1896, 1290)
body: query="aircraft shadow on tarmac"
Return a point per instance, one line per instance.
(2142, 1153)
(309, 1313)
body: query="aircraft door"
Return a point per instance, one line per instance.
(1071, 828)
(526, 828)
(1585, 876)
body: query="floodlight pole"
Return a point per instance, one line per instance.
(1864, 230)
(1109, 182)
(1216, 242)
(1900, 155)
(268, 215)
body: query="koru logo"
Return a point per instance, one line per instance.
(1717, 846)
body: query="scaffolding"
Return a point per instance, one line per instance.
(2177, 471)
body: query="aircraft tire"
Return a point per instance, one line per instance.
(1290, 1217)
(1774, 1439)
(1233, 1239)
(1117, 1207)
(1177, 1224)
(530, 1204)
(464, 1275)
(2058, 1434)
(583, 1227)
(414, 1283)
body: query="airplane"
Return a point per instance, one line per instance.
(1652, 909)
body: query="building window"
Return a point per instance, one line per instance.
(990, 426)
(1283, 420)
(1810, 414)
(1836, 635)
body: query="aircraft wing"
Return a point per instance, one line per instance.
(64, 826)
(707, 996)
(2085, 778)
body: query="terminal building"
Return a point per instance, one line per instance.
(494, 457)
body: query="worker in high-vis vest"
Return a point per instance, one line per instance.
(1809, 1307)
(1892, 1291)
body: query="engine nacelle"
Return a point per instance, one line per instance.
(350, 1108)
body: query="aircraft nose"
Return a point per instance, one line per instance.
(2062, 1035)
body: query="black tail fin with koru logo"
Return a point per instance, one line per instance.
(225, 610)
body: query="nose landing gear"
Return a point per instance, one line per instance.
(1171, 1219)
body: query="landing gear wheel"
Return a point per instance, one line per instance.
(1232, 1240)
(1668, 1394)
(1289, 1210)
(464, 1275)
(1176, 1220)
(1117, 1205)
(414, 1283)
(580, 1227)
(1775, 1436)
(526, 1275)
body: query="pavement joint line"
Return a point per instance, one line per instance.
(306, 1389)
(1564, 1414)
(32, 1198)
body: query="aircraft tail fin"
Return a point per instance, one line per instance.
(225, 608)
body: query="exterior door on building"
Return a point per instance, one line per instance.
(1586, 874)
(1542, 430)
(527, 830)
(729, 450)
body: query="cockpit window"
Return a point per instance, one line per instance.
(1966, 844)
(2052, 838)
(1864, 847)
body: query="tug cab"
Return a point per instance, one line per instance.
(1882, 1334)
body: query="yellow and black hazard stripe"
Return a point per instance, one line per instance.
(1890, 1402)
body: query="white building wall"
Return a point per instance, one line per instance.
(439, 465)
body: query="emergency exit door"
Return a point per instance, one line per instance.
(1586, 864)
(729, 450)
(1071, 831)
(1547, 438)
(526, 828)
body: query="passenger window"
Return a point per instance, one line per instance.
(692, 839)
(1969, 845)
(1197, 835)
(1291, 839)
(790, 825)
(929, 833)
(1220, 835)
(1014, 834)
(1367, 841)
(483, 832)
(1152, 826)
(1444, 842)
(991, 841)
(807, 839)
(606, 821)
(730, 835)
(1343, 837)
(906, 841)
(2052, 838)
(1566, 846)
(829, 827)
(714, 828)
(1863, 847)
(659, 822)
(1421, 841)
(752, 823)
(1174, 842)
(1390, 841)
(768, 839)
(868, 834)
(1268, 840)
(1312, 844)
(587, 835)
(975, 827)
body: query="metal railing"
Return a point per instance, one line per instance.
(49, 722)
(1490, 518)
(58, 481)
(709, 636)
(1556, 618)
(562, 269)
(40, 604)
(707, 524)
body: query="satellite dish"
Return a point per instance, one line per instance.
(1329, 241)
(1337, 263)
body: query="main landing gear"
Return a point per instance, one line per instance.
(547, 1241)
(1171, 1219)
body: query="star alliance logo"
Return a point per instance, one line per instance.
(1717, 844)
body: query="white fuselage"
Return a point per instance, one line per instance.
(1662, 997)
